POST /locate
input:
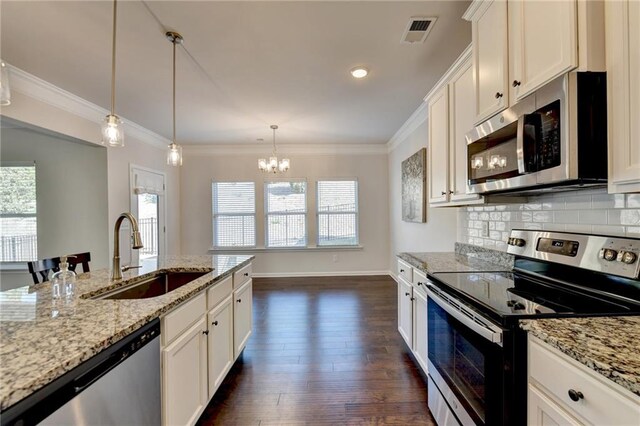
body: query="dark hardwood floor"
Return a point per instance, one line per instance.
(323, 351)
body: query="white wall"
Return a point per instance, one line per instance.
(370, 169)
(32, 110)
(439, 232)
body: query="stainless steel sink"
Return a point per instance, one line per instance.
(153, 286)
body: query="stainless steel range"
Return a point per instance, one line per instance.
(477, 352)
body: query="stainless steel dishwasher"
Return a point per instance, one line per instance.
(118, 386)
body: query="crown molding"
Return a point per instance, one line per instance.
(285, 150)
(43, 91)
(476, 8)
(416, 119)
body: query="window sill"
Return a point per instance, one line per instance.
(220, 250)
(14, 266)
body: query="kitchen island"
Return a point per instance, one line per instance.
(42, 337)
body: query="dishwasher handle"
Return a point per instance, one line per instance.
(87, 379)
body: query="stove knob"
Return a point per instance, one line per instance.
(627, 257)
(608, 254)
(519, 242)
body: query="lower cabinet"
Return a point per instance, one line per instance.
(420, 327)
(405, 311)
(184, 376)
(220, 343)
(542, 411)
(412, 312)
(242, 320)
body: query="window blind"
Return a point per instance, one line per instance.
(18, 221)
(234, 214)
(286, 214)
(337, 213)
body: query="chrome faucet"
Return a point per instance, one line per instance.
(116, 274)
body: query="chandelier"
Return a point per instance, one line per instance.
(273, 165)
(112, 131)
(174, 155)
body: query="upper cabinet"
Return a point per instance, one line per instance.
(623, 97)
(521, 45)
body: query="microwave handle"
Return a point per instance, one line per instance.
(520, 146)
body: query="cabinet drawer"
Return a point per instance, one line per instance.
(405, 271)
(218, 292)
(242, 276)
(603, 402)
(178, 320)
(419, 282)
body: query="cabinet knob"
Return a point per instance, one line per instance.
(515, 83)
(419, 283)
(246, 274)
(575, 395)
(401, 270)
(214, 323)
(498, 95)
(450, 192)
(205, 332)
(406, 294)
(443, 193)
(239, 300)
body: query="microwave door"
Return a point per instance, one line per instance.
(528, 133)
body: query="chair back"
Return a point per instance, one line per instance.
(40, 269)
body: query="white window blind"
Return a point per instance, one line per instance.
(286, 213)
(18, 227)
(234, 214)
(337, 213)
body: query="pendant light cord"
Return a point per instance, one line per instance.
(113, 59)
(174, 91)
(274, 142)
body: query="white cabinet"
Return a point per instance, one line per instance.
(405, 311)
(542, 43)
(563, 391)
(438, 146)
(451, 116)
(490, 55)
(184, 376)
(242, 316)
(623, 94)
(220, 343)
(420, 326)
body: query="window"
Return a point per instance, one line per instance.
(18, 228)
(286, 213)
(337, 213)
(234, 214)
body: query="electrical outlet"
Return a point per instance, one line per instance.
(335, 258)
(485, 229)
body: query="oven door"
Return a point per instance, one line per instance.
(466, 361)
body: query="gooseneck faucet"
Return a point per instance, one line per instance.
(116, 274)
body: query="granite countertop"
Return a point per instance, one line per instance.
(462, 260)
(41, 338)
(608, 345)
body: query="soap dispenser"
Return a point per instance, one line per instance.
(64, 280)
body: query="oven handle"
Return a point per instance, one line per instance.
(466, 317)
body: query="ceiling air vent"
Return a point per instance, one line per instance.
(417, 30)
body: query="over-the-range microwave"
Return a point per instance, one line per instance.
(554, 139)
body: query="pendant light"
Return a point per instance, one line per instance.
(112, 127)
(174, 156)
(273, 165)
(5, 90)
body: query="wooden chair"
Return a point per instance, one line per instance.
(44, 266)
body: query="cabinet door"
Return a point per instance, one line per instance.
(490, 65)
(542, 411)
(623, 97)
(438, 146)
(242, 318)
(405, 311)
(184, 374)
(461, 118)
(420, 329)
(542, 43)
(221, 356)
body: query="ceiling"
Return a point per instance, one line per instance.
(245, 65)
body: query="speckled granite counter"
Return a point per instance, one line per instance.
(42, 338)
(462, 260)
(608, 345)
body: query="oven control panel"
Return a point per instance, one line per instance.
(610, 255)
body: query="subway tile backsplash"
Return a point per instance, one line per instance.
(589, 211)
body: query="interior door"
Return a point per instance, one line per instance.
(148, 206)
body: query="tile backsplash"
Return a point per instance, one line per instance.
(589, 211)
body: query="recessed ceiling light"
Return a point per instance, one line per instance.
(359, 72)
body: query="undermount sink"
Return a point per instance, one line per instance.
(156, 285)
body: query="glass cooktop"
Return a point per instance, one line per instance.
(507, 294)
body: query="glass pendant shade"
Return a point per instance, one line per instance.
(5, 90)
(262, 164)
(174, 156)
(283, 165)
(112, 131)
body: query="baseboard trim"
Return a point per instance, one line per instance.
(319, 274)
